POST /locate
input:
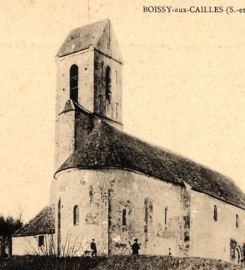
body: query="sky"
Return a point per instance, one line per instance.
(183, 86)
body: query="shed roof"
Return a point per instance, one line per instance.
(43, 223)
(108, 147)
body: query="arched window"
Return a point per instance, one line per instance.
(74, 83)
(124, 217)
(237, 221)
(76, 215)
(215, 213)
(108, 84)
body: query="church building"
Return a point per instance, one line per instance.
(113, 187)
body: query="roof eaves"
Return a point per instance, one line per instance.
(117, 168)
(91, 47)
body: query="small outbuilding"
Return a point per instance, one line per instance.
(37, 236)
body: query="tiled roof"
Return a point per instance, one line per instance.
(43, 223)
(81, 38)
(108, 147)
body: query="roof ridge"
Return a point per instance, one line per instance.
(89, 24)
(103, 22)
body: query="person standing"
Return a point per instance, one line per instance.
(135, 247)
(93, 248)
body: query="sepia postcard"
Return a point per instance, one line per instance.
(122, 134)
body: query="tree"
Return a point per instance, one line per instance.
(8, 226)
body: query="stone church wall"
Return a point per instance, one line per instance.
(117, 206)
(220, 239)
(65, 138)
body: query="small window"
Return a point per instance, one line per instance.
(186, 236)
(76, 215)
(74, 83)
(108, 84)
(237, 221)
(41, 241)
(187, 221)
(166, 215)
(215, 213)
(124, 217)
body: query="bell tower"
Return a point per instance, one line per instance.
(89, 85)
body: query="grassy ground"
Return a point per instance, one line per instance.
(114, 263)
(48, 263)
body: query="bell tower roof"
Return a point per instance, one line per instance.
(91, 35)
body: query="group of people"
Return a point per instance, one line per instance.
(135, 248)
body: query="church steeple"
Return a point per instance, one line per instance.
(89, 66)
(89, 79)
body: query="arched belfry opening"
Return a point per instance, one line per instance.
(108, 84)
(74, 83)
